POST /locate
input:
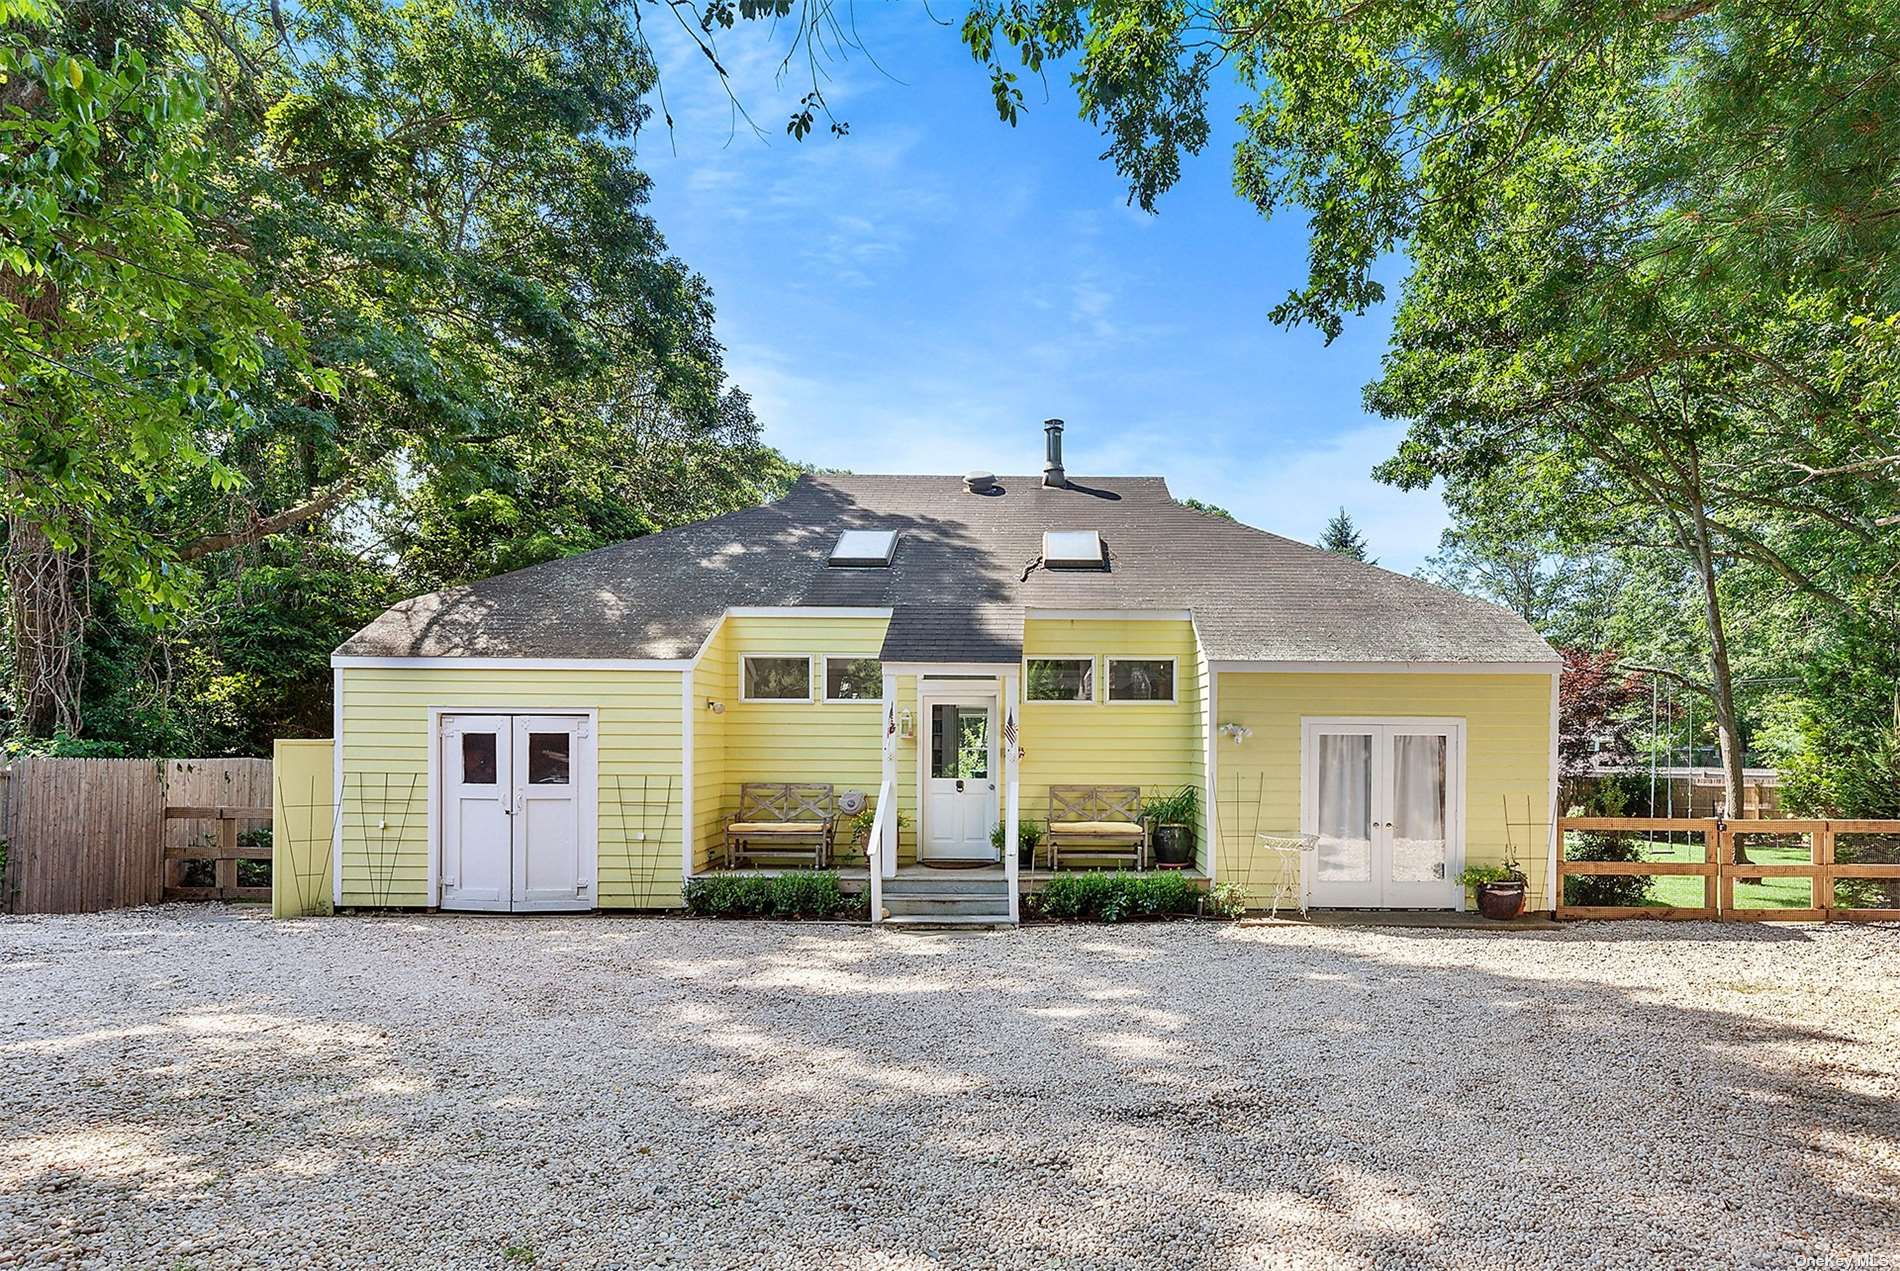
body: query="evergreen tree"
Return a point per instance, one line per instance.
(1343, 537)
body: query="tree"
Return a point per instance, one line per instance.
(327, 288)
(1341, 536)
(1209, 508)
(1595, 699)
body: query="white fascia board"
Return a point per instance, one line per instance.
(806, 611)
(950, 668)
(1110, 615)
(1390, 668)
(512, 664)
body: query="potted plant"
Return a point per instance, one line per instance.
(1028, 838)
(1172, 816)
(1500, 889)
(860, 823)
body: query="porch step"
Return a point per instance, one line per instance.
(926, 922)
(948, 899)
(946, 885)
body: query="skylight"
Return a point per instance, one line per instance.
(864, 549)
(1073, 549)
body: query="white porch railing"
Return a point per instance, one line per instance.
(878, 851)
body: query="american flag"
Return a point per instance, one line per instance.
(1009, 729)
(890, 718)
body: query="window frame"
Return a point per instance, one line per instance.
(824, 685)
(1095, 680)
(1174, 682)
(744, 680)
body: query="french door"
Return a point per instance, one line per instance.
(515, 830)
(1385, 800)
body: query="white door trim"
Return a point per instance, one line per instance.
(1452, 726)
(590, 797)
(950, 694)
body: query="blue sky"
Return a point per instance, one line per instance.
(919, 296)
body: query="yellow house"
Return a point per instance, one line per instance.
(892, 676)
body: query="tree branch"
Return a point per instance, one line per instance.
(263, 527)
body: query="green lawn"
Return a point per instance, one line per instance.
(1770, 893)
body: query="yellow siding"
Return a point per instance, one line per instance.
(303, 791)
(385, 773)
(1507, 759)
(835, 742)
(1156, 746)
(713, 681)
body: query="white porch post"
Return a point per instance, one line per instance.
(886, 863)
(1012, 802)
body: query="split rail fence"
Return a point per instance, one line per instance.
(1719, 871)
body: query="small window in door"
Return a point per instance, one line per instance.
(478, 759)
(547, 759)
(960, 742)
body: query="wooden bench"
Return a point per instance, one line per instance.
(1097, 821)
(781, 819)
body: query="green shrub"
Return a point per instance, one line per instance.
(1227, 900)
(1118, 896)
(797, 894)
(1606, 889)
(1028, 833)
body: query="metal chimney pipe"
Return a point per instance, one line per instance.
(1052, 474)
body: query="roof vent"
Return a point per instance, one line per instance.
(864, 549)
(1073, 549)
(1052, 474)
(979, 482)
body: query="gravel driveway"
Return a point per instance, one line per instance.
(197, 1087)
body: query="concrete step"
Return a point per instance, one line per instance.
(946, 903)
(946, 887)
(928, 922)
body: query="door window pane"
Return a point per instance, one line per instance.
(943, 746)
(854, 679)
(547, 758)
(478, 759)
(973, 743)
(1061, 679)
(778, 679)
(1140, 680)
(1418, 808)
(1345, 808)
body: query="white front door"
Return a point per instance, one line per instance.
(515, 794)
(1383, 798)
(960, 783)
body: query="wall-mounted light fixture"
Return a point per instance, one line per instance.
(1239, 732)
(717, 708)
(904, 727)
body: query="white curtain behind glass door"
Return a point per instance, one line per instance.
(1345, 808)
(1419, 845)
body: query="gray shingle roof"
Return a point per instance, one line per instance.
(960, 581)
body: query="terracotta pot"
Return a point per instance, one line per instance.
(1501, 901)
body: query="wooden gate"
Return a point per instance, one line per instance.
(1718, 872)
(90, 834)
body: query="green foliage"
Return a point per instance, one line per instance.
(795, 894)
(1028, 834)
(1476, 876)
(1181, 806)
(1606, 889)
(1343, 537)
(1118, 896)
(1208, 508)
(1227, 900)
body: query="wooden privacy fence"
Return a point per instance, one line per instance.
(90, 834)
(1719, 872)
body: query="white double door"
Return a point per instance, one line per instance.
(1385, 800)
(516, 792)
(959, 795)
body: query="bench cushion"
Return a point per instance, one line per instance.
(777, 827)
(1099, 829)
